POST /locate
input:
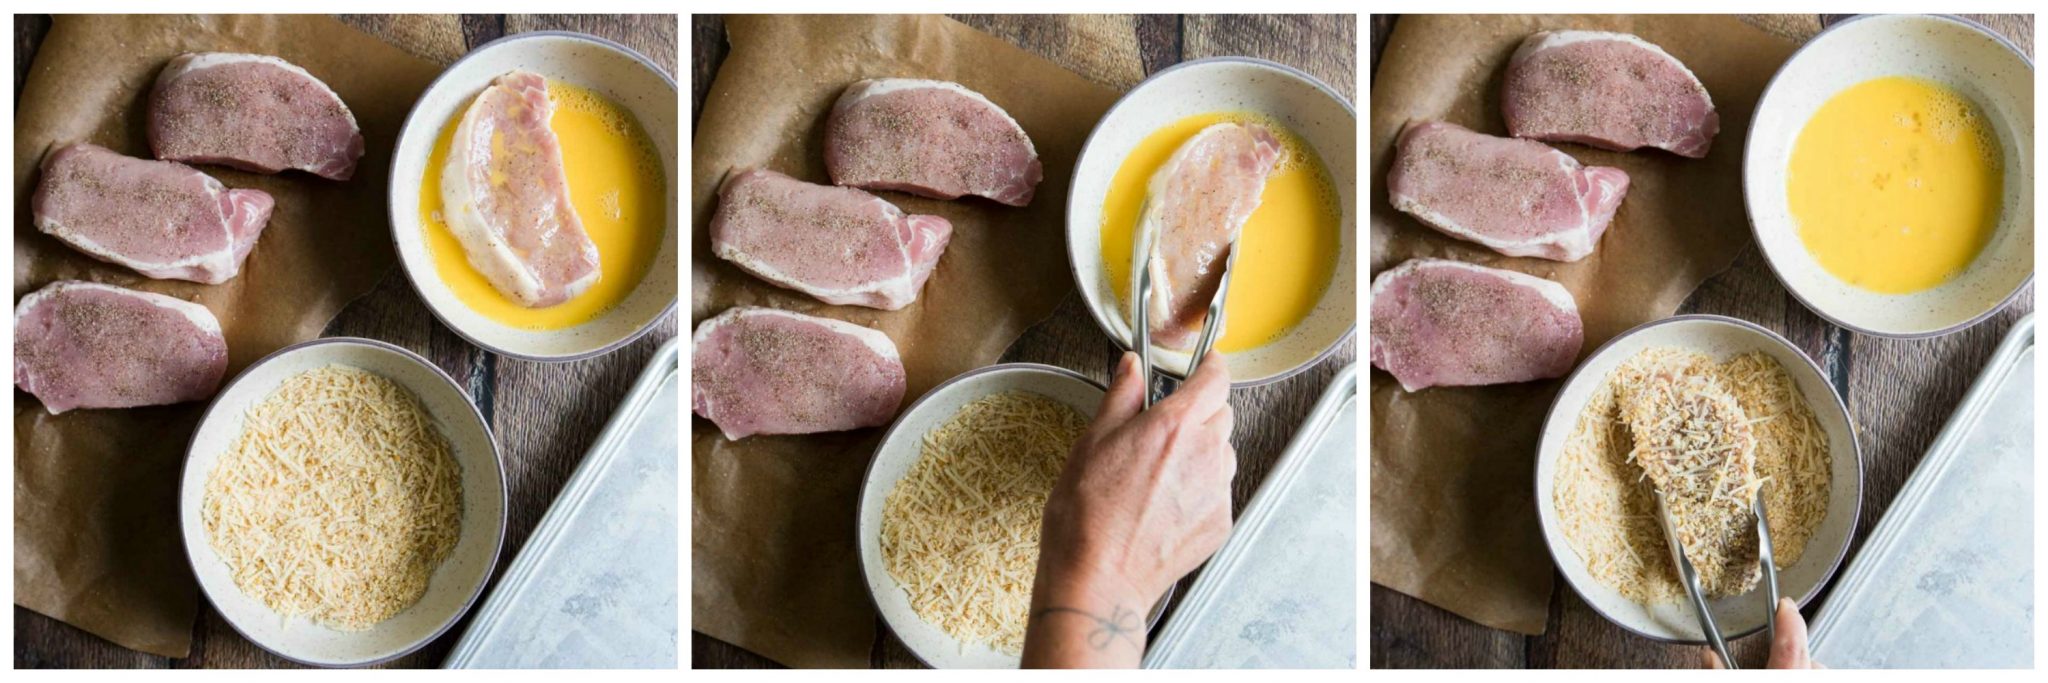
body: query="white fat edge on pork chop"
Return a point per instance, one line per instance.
(870, 337)
(218, 261)
(1553, 292)
(875, 87)
(1549, 39)
(1575, 243)
(203, 60)
(906, 280)
(200, 316)
(220, 264)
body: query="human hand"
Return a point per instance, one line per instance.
(1143, 501)
(1788, 641)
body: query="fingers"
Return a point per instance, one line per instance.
(1126, 394)
(1207, 391)
(1788, 648)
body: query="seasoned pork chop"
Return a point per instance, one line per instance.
(929, 138)
(253, 112)
(1517, 197)
(162, 219)
(507, 196)
(1609, 90)
(838, 244)
(767, 371)
(1447, 323)
(1194, 207)
(88, 345)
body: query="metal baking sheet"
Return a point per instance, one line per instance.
(595, 586)
(1947, 578)
(1282, 592)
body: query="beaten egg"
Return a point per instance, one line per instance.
(1290, 243)
(1895, 184)
(617, 186)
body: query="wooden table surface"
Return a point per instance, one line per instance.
(1118, 52)
(1900, 394)
(546, 415)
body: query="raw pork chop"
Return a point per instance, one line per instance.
(1609, 90)
(838, 244)
(506, 196)
(88, 345)
(767, 371)
(929, 138)
(163, 219)
(1194, 207)
(1517, 197)
(253, 112)
(1447, 323)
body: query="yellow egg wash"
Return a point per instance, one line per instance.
(1895, 184)
(1290, 243)
(619, 191)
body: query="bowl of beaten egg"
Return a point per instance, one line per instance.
(1889, 174)
(1293, 291)
(342, 502)
(614, 115)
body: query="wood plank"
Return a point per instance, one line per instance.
(707, 51)
(1411, 634)
(29, 30)
(1324, 45)
(652, 35)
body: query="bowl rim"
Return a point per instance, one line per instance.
(1855, 448)
(1749, 207)
(867, 478)
(405, 131)
(497, 457)
(1073, 194)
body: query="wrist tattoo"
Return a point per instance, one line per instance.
(1122, 623)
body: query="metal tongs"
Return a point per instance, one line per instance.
(1689, 576)
(1141, 308)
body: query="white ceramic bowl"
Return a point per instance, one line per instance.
(455, 585)
(1743, 614)
(1721, 338)
(1947, 50)
(901, 448)
(1295, 99)
(612, 70)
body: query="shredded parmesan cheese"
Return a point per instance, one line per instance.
(1691, 436)
(960, 530)
(1693, 444)
(337, 501)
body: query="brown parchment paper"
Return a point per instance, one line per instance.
(96, 537)
(1453, 509)
(774, 561)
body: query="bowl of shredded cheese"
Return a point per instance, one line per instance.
(1710, 411)
(342, 502)
(952, 505)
